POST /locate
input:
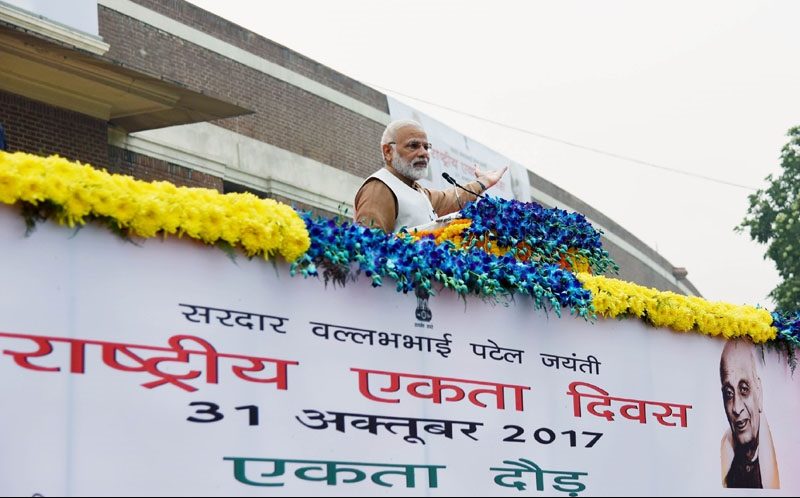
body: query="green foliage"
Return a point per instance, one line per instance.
(773, 218)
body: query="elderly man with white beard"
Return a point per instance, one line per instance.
(391, 198)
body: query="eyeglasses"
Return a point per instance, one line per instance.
(415, 145)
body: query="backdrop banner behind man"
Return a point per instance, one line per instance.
(456, 154)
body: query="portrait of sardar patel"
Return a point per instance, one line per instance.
(747, 450)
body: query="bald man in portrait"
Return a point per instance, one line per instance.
(747, 450)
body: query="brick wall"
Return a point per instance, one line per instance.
(285, 115)
(38, 128)
(148, 168)
(225, 30)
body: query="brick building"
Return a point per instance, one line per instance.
(161, 89)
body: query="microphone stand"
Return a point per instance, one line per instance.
(453, 182)
(458, 199)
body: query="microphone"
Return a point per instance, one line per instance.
(453, 182)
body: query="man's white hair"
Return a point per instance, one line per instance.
(390, 133)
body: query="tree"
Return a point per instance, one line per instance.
(773, 218)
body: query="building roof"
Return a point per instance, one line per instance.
(50, 71)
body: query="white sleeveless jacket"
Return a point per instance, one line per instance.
(413, 207)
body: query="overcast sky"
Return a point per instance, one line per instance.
(705, 87)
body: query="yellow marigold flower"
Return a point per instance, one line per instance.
(9, 186)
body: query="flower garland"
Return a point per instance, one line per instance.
(73, 193)
(615, 298)
(413, 265)
(534, 232)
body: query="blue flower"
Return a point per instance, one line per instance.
(336, 245)
(788, 327)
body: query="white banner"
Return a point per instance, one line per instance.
(457, 155)
(166, 368)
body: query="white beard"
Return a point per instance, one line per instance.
(406, 169)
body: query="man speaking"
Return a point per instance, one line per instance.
(391, 198)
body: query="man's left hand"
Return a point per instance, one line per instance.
(489, 178)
